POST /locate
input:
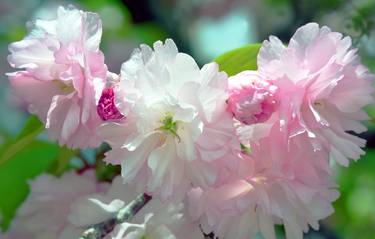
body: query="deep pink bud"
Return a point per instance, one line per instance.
(106, 108)
(251, 99)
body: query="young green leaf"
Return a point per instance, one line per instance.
(25, 164)
(235, 61)
(62, 161)
(21, 159)
(32, 125)
(32, 129)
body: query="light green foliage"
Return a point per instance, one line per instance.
(355, 211)
(24, 158)
(31, 130)
(106, 172)
(235, 61)
(62, 161)
(24, 164)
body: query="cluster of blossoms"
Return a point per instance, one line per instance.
(230, 155)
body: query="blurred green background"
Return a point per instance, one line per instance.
(204, 29)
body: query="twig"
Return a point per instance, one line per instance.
(102, 229)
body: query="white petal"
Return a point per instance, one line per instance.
(159, 162)
(266, 225)
(92, 31)
(304, 36)
(134, 160)
(271, 50)
(69, 25)
(292, 230)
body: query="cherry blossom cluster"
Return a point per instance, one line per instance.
(233, 156)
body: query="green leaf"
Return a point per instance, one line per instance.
(31, 130)
(21, 159)
(62, 161)
(107, 172)
(24, 164)
(33, 125)
(235, 61)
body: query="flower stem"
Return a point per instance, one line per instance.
(126, 213)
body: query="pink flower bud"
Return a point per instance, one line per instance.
(106, 108)
(251, 99)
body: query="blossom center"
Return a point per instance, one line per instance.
(65, 87)
(169, 125)
(253, 103)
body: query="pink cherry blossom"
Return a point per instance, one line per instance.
(251, 99)
(65, 207)
(63, 76)
(159, 220)
(275, 184)
(176, 122)
(156, 219)
(45, 212)
(322, 88)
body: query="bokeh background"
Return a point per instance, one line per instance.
(205, 29)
